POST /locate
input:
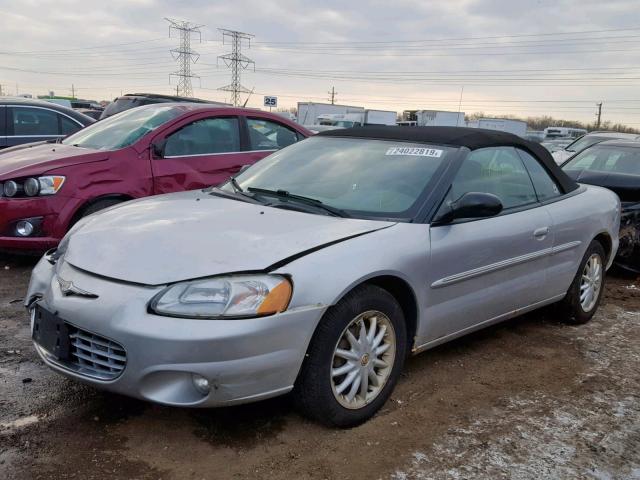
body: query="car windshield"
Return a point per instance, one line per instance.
(363, 177)
(605, 158)
(584, 142)
(123, 129)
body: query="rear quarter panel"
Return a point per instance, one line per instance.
(580, 218)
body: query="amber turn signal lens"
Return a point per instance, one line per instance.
(277, 300)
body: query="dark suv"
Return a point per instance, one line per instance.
(131, 100)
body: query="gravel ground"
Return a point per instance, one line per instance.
(528, 399)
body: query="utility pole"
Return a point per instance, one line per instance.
(73, 91)
(236, 61)
(183, 55)
(332, 97)
(459, 106)
(598, 115)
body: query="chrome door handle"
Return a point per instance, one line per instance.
(540, 233)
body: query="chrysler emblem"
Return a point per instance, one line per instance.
(68, 288)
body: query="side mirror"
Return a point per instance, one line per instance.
(471, 205)
(158, 148)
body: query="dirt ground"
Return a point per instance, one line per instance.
(528, 399)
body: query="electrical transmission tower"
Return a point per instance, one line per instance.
(184, 55)
(236, 61)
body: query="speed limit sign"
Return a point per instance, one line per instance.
(270, 101)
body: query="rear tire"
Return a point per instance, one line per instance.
(354, 359)
(584, 294)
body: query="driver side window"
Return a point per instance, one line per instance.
(498, 171)
(204, 137)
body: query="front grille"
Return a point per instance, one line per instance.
(94, 356)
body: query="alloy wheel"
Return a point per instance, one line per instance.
(363, 359)
(591, 282)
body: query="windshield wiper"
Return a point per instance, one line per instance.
(236, 195)
(285, 195)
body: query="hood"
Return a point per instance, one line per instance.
(626, 186)
(38, 158)
(188, 235)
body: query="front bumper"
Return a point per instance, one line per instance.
(55, 211)
(244, 360)
(628, 256)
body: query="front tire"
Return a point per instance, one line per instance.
(99, 205)
(93, 208)
(354, 359)
(585, 292)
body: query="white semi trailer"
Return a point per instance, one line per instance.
(517, 127)
(368, 117)
(439, 118)
(308, 112)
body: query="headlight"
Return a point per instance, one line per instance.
(225, 297)
(31, 187)
(50, 184)
(11, 188)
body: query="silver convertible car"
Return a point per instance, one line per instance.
(319, 269)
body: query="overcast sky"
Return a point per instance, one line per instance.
(522, 57)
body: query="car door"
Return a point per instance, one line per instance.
(27, 124)
(266, 136)
(204, 152)
(483, 269)
(561, 266)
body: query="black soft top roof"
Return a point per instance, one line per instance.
(471, 138)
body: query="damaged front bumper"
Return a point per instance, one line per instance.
(241, 360)
(628, 256)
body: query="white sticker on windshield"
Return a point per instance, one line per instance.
(415, 151)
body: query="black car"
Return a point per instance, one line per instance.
(131, 100)
(24, 120)
(615, 164)
(91, 112)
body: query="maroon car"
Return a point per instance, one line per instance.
(45, 188)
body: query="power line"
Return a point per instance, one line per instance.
(82, 48)
(578, 42)
(184, 55)
(406, 72)
(582, 81)
(236, 61)
(545, 34)
(332, 52)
